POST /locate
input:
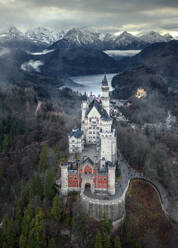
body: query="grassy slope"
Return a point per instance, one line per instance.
(145, 219)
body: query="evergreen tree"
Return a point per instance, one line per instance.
(106, 224)
(37, 234)
(56, 209)
(36, 187)
(117, 242)
(5, 145)
(98, 242)
(5, 222)
(22, 241)
(52, 243)
(43, 158)
(48, 185)
(57, 151)
(19, 213)
(106, 240)
(26, 221)
(91, 243)
(11, 235)
(1, 174)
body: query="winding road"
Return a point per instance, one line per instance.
(169, 207)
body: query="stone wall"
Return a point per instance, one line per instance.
(95, 208)
(64, 179)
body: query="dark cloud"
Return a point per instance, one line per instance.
(133, 15)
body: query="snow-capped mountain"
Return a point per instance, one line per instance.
(83, 37)
(90, 39)
(11, 33)
(153, 37)
(42, 38)
(44, 35)
(128, 41)
(109, 41)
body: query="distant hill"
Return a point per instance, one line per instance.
(65, 62)
(77, 61)
(51, 67)
(155, 69)
(160, 56)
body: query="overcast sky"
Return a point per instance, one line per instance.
(107, 15)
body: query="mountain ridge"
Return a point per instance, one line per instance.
(83, 37)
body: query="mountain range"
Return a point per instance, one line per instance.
(80, 37)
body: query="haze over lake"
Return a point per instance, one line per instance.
(120, 54)
(91, 83)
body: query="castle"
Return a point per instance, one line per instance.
(92, 163)
(92, 149)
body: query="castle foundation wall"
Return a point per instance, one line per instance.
(95, 208)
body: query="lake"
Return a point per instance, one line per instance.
(91, 83)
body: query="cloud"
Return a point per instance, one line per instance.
(4, 51)
(113, 15)
(32, 65)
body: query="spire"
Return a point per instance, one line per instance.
(105, 81)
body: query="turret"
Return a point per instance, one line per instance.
(84, 108)
(105, 95)
(106, 139)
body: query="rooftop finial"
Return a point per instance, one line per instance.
(105, 81)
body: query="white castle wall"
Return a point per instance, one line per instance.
(76, 145)
(64, 179)
(106, 148)
(92, 127)
(111, 180)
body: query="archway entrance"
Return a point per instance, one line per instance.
(87, 187)
(87, 183)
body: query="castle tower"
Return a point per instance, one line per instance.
(64, 178)
(111, 178)
(84, 108)
(105, 95)
(106, 139)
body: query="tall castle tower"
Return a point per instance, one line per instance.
(105, 94)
